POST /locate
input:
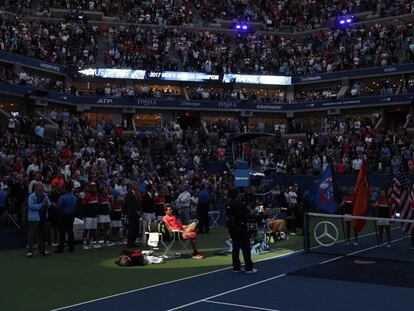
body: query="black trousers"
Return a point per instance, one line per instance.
(240, 239)
(66, 227)
(202, 213)
(133, 231)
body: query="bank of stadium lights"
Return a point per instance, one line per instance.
(241, 27)
(345, 21)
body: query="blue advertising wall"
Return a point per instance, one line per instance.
(317, 77)
(242, 178)
(31, 62)
(377, 182)
(376, 71)
(204, 105)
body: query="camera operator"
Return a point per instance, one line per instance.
(237, 214)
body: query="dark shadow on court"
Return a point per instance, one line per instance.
(363, 270)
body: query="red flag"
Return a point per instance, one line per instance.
(361, 197)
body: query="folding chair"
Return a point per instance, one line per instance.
(214, 217)
(169, 242)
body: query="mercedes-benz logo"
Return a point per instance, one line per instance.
(326, 233)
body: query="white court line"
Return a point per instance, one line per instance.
(356, 252)
(269, 279)
(237, 305)
(170, 282)
(228, 292)
(182, 279)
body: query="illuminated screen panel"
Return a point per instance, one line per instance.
(257, 79)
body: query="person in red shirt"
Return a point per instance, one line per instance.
(187, 231)
(104, 204)
(90, 218)
(116, 218)
(383, 206)
(118, 131)
(341, 168)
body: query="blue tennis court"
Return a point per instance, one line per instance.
(292, 282)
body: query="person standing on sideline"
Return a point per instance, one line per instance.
(54, 195)
(148, 204)
(184, 200)
(237, 213)
(347, 209)
(383, 211)
(66, 204)
(38, 204)
(134, 210)
(293, 210)
(3, 203)
(202, 210)
(90, 218)
(148, 209)
(104, 204)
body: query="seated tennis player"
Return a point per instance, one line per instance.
(187, 231)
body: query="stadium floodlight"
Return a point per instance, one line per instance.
(241, 27)
(345, 21)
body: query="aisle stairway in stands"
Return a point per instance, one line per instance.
(102, 47)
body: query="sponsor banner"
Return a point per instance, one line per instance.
(242, 178)
(114, 73)
(386, 70)
(207, 105)
(31, 62)
(257, 79)
(205, 77)
(187, 76)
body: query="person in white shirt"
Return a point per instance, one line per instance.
(183, 202)
(34, 167)
(12, 125)
(293, 210)
(37, 178)
(292, 196)
(196, 160)
(356, 164)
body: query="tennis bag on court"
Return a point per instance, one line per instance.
(130, 258)
(158, 226)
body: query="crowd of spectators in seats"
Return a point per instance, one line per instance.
(168, 159)
(171, 159)
(358, 88)
(347, 142)
(326, 51)
(230, 94)
(316, 95)
(62, 43)
(299, 15)
(74, 42)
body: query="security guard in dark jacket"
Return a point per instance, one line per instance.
(237, 214)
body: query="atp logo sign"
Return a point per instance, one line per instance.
(326, 191)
